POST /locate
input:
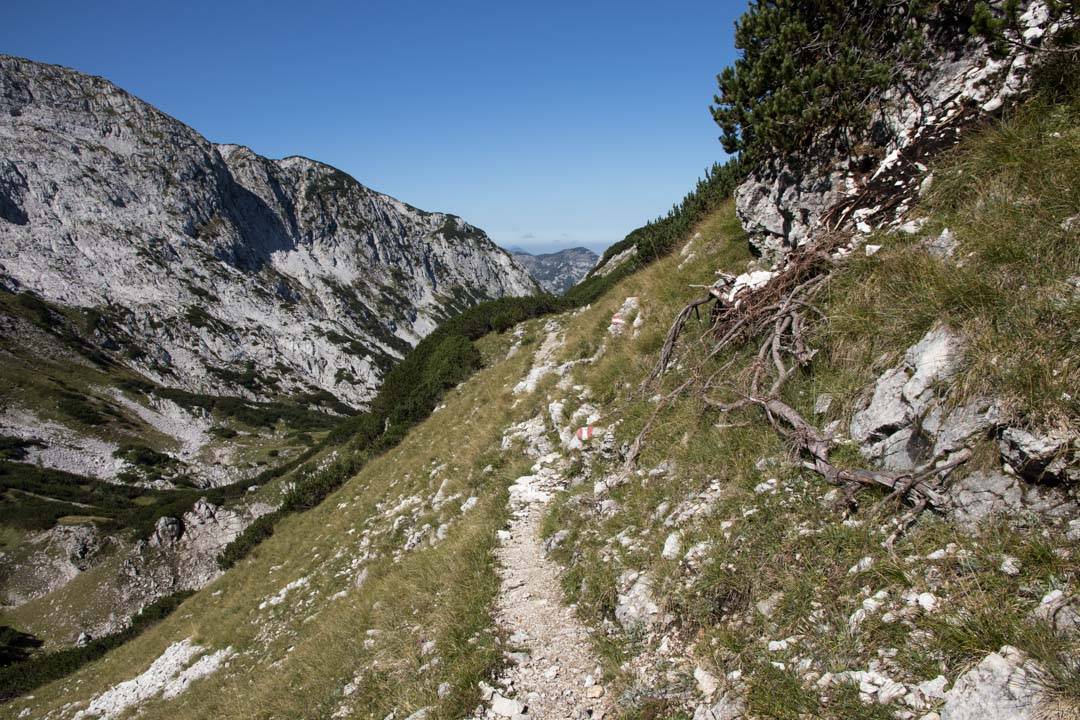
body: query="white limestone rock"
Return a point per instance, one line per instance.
(635, 606)
(1004, 686)
(209, 258)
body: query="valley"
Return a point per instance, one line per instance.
(805, 446)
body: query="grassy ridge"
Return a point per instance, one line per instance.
(447, 357)
(1006, 193)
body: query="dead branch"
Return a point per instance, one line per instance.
(780, 314)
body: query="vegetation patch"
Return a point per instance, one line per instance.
(23, 676)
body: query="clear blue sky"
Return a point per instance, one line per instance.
(547, 124)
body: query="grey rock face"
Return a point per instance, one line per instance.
(1004, 686)
(781, 204)
(208, 260)
(559, 271)
(903, 424)
(981, 495)
(635, 607)
(1050, 456)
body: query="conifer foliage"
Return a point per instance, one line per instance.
(810, 72)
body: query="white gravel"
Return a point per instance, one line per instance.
(169, 676)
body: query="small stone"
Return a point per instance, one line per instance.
(769, 486)
(1010, 566)
(862, 566)
(927, 601)
(506, 707)
(596, 691)
(706, 681)
(768, 606)
(671, 547)
(943, 246)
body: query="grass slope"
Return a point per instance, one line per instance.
(1005, 193)
(365, 626)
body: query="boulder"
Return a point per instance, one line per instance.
(1004, 686)
(1040, 457)
(167, 531)
(635, 607)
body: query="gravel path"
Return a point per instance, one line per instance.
(555, 675)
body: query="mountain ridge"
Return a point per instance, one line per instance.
(557, 271)
(93, 220)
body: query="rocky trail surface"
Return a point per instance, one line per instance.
(555, 675)
(553, 672)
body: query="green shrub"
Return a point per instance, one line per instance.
(226, 433)
(79, 407)
(22, 677)
(15, 646)
(143, 456)
(13, 448)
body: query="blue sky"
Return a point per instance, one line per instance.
(548, 124)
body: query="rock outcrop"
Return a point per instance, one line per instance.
(1004, 686)
(905, 422)
(212, 268)
(48, 560)
(781, 203)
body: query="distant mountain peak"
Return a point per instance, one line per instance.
(217, 269)
(557, 271)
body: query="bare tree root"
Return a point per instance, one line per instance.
(779, 316)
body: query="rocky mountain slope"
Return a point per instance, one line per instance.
(718, 577)
(209, 267)
(177, 319)
(557, 272)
